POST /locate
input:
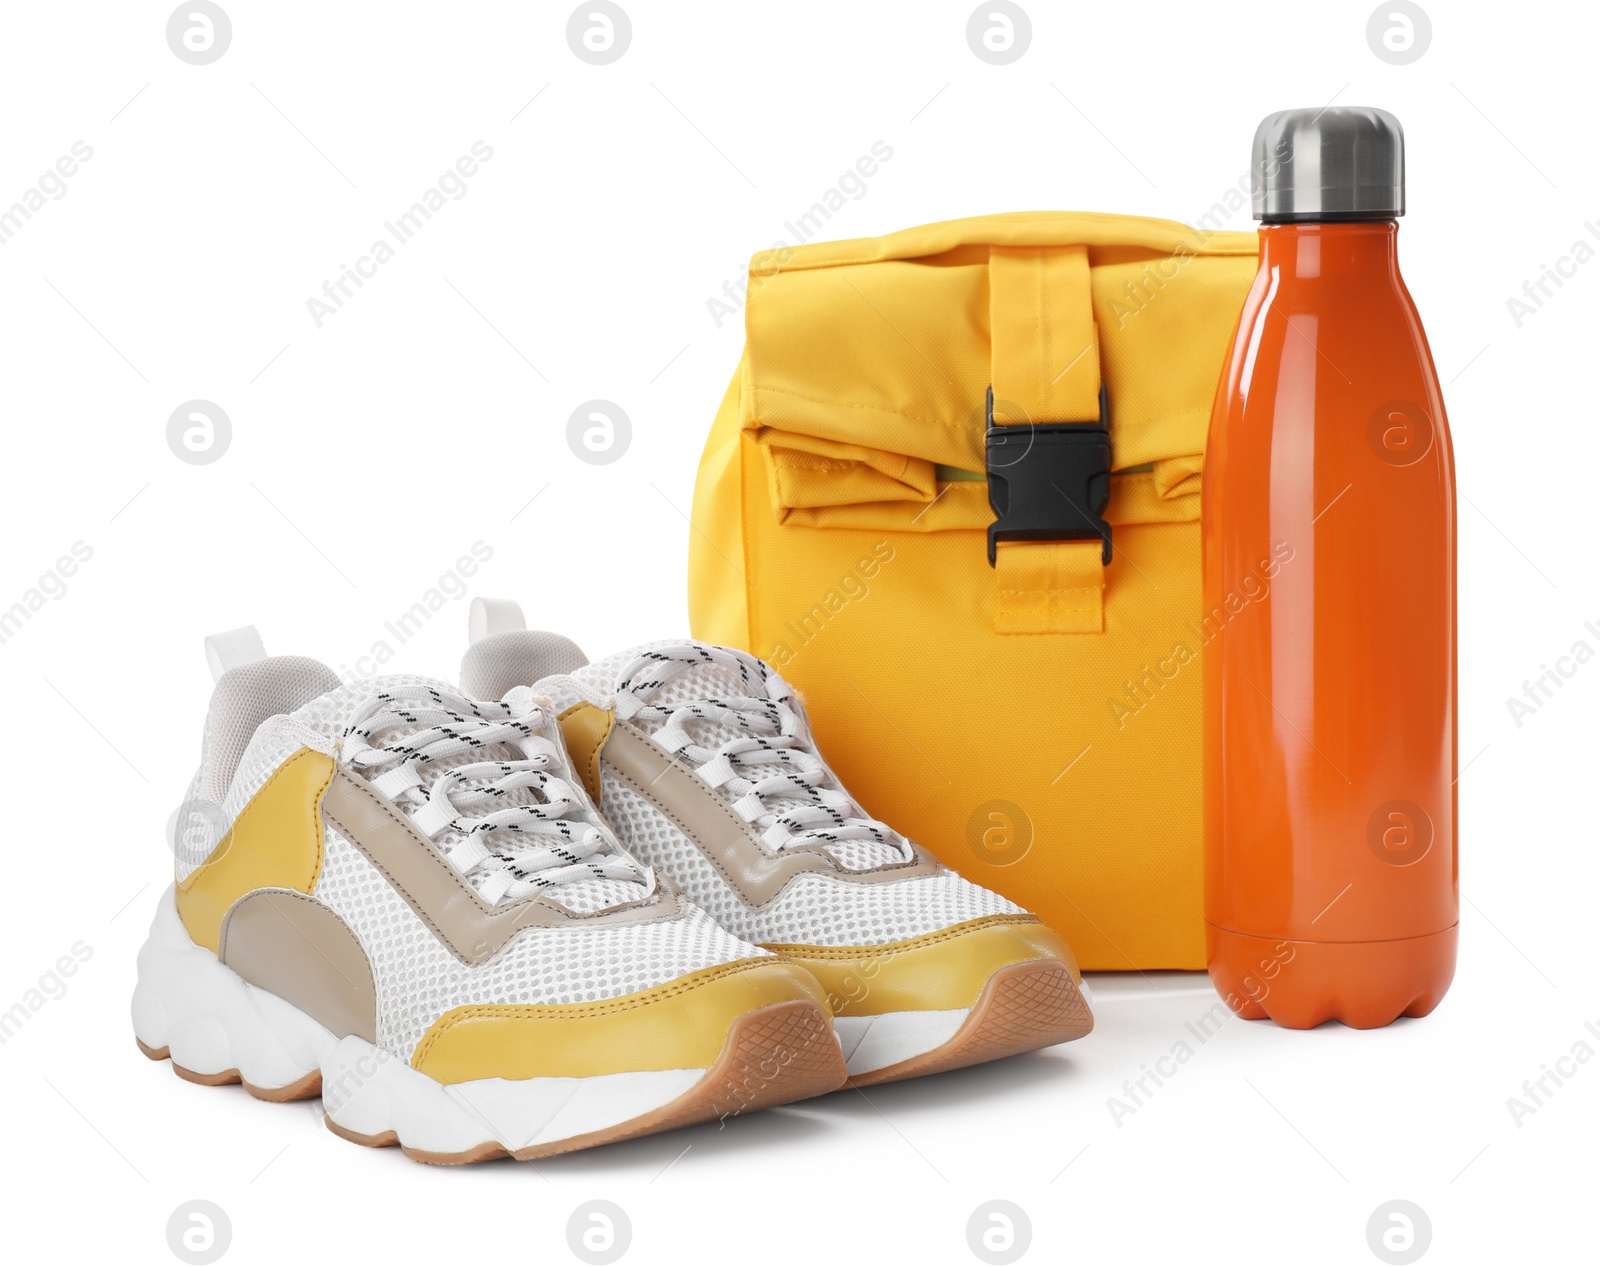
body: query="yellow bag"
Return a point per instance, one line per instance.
(1035, 722)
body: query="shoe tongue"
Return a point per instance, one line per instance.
(701, 680)
(415, 693)
(706, 679)
(331, 713)
(402, 689)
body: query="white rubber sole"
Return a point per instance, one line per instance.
(191, 1007)
(871, 1043)
(1021, 1008)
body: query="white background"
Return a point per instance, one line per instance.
(370, 454)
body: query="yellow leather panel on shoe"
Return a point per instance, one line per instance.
(935, 972)
(680, 1024)
(274, 843)
(584, 729)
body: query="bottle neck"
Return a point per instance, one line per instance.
(1316, 252)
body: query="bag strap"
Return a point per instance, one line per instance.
(1045, 368)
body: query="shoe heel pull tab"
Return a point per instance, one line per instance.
(229, 650)
(488, 616)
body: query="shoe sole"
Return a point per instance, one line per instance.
(1022, 1008)
(218, 1030)
(306, 1088)
(794, 1038)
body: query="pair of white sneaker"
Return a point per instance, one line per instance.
(564, 904)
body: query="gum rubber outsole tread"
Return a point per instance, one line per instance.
(1022, 1008)
(774, 1055)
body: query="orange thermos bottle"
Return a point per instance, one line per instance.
(1328, 529)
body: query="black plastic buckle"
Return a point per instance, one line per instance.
(1049, 481)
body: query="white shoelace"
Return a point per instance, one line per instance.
(506, 821)
(771, 773)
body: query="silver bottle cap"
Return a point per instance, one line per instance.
(1333, 163)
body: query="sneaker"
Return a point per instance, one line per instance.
(702, 760)
(401, 899)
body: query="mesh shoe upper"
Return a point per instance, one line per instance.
(735, 721)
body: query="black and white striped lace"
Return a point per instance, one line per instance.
(770, 771)
(481, 782)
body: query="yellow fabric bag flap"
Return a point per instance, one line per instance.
(868, 363)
